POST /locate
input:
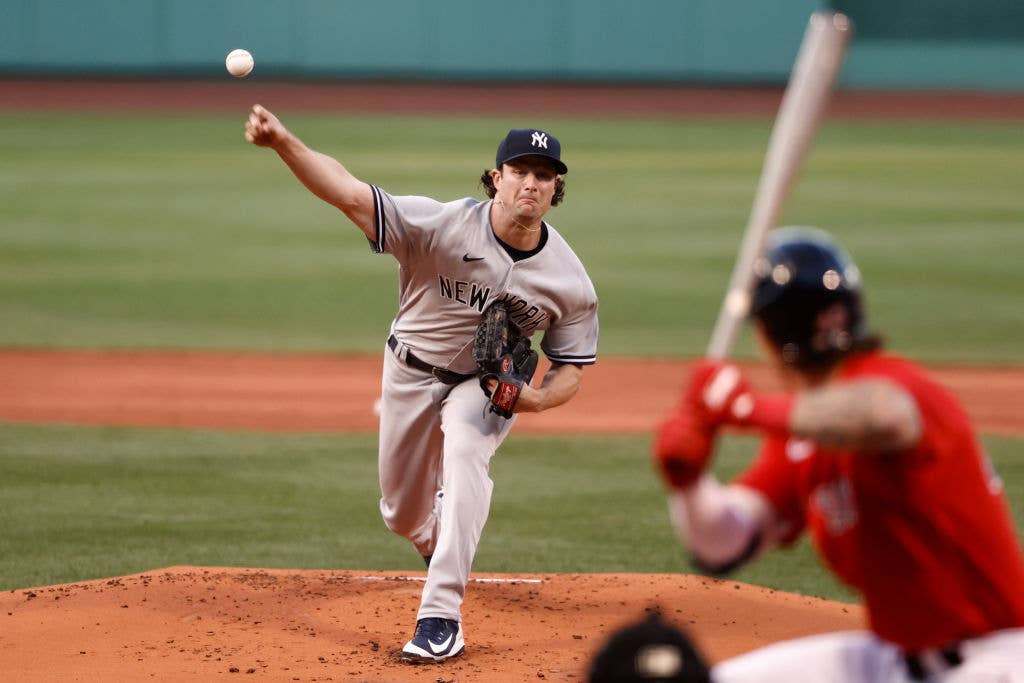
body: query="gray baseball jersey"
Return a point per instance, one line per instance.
(438, 437)
(452, 266)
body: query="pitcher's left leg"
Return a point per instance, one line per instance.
(471, 436)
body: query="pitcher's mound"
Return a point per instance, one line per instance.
(195, 623)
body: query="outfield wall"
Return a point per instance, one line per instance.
(697, 41)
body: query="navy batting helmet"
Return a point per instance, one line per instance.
(807, 298)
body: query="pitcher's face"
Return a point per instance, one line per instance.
(525, 186)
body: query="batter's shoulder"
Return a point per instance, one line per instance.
(883, 364)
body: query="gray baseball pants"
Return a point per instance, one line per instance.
(436, 436)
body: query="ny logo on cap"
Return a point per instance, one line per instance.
(539, 139)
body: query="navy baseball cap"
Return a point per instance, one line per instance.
(523, 142)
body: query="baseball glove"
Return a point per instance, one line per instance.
(501, 353)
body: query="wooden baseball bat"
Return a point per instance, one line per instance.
(803, 106)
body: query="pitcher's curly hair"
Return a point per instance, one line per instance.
(488, 184)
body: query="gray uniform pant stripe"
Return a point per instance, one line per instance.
(433, 436)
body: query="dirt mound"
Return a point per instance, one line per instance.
(193, 623)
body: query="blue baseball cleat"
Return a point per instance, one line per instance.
(436, 640)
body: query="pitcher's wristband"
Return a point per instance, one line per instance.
(506, 395)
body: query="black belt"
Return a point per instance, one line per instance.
(442, 375)
(916, 668)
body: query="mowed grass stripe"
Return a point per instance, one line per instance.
(83, 503)
(142, 231)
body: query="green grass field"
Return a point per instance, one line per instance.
(129, 232)
(172, 232)
(92, 502)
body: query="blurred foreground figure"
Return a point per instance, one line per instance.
(877, 462)
(651, 650)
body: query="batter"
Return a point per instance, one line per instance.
(437, 435)
(878, 463)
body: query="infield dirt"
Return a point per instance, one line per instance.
(198, 624)
(336, 393)
(578, 100)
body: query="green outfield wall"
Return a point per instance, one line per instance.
(698, 41)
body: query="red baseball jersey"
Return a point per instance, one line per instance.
(924, 535)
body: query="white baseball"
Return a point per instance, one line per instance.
(239, 63)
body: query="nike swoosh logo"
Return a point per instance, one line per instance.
(438, 649)
(467, 257)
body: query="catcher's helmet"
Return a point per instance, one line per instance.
(647, 651)
(807, 298)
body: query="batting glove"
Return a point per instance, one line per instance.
(683, 446)
(724, 397)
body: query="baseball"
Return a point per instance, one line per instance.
(239, 63)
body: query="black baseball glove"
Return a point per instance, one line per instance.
(503, 354)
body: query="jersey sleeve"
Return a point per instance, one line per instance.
(945, 428)
(573, 339)
(943, 420)
(404, 225)
(773, 476)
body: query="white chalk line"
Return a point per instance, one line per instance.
(423, 578)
